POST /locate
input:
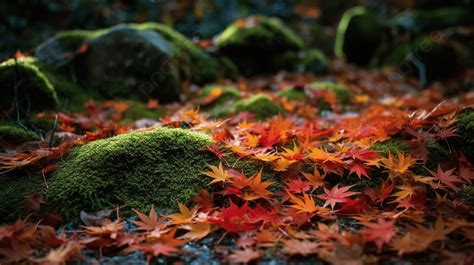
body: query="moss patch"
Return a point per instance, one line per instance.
(292, 93)
(15, 187)
(10, 132)
(465, 141)
(261, 105)
(315, 62)
(343, 94)
(138, 169)
(392, 146)
(259, 44)
(25, 88)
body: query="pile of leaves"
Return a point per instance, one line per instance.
(330, 187)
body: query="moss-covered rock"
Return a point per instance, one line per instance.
(15, 188)
(359, 35)
(25, 88)
(425, 58)
(224, 93)
(64, 45)
(201, 67)
(292, 93)
(70, 94)
(314, 61)
(465, 130)
(138, 169)
(144, 70)
(343, 93)
(257, 45)
(261, 105)
(12, 133)
(420, 21)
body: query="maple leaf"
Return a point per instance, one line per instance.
(244, 256)
(315, 180)
(185, 216)
(292, 154)
(62, 254)
(299, 247)
(380, 232)
(150, 222)
(196, 231)
(447, 177)
(16, 252)
(258, 187)
(404, 192)
(304, 205)
(218, 174)
(235, 219)
(317, 154)
(336, 195)
(400, 164)
(109, 228)
(359, 170)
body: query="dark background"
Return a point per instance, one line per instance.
(26, 23)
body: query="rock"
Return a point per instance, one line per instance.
(421, 21)
(261, 105)
(359, 36)
(138, 169)
(64, 45)
(425, 58)
(25, 89)
(16, 187)
(12, 133)
(127, 62)
(314, 61)
(196, 65)
(257, 44)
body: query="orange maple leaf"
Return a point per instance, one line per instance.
(218, 174)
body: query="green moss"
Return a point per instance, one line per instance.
(315, 62)
(393, 146)
(359, 35)
(138, 169)
(71, 95)
(343, 94)
(292, 93)
(15, 187)
(467, 194)
(437, 153)
(203, 67)
(10, 132)
(25, 88)
(259, 44)
(465, 130)
(138, 110)
(261, 105)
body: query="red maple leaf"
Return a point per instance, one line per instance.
(379, 233)
(447, 177)
(336, 195)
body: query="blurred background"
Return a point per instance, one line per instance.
(26, 23)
